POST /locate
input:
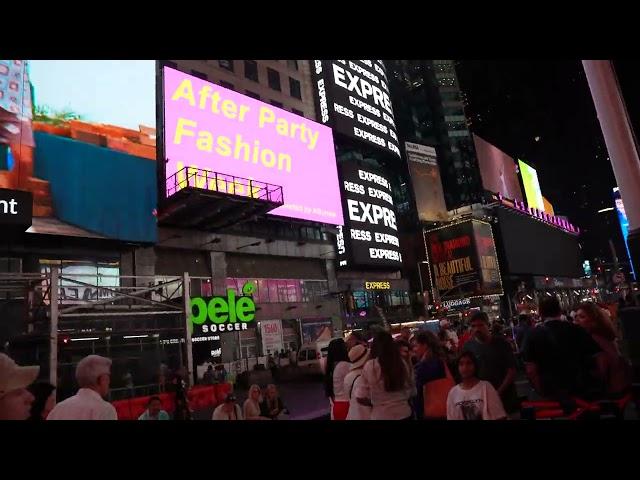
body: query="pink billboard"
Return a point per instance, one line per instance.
(212, 128)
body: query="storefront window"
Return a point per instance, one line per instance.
(270, 290)
(81, 281)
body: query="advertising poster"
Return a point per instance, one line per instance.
(317, 330)
(271, 332)
(463, 261)
(214, 129)
(352, 97)
(426, 181)
(624, 224)
(497, 169)
(531, 186)
(370, 234)
(80, 136)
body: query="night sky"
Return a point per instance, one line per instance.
(510, 103)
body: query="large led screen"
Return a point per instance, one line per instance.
(216, 129)
(352, 97)
(531, 186)
(497, 169)
(370, 234)
(426, 182)
(80, 136)
(532, 247)
(624, 223)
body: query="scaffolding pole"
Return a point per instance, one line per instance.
(186, 293)
(53, 336)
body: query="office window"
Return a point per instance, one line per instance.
(274, 79)
(251, 94)
(200, 75)
(293, 64)
(226, 64)
(297, 112)
(251, 70)
(294, 88)
(276, 104)
(226, 85)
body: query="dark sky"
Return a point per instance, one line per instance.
(510, 103)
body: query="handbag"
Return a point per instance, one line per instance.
(435, 395)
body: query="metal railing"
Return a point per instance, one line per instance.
(223, 183)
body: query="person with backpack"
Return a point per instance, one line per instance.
(560, 357)
(354, 384)
(432, 377)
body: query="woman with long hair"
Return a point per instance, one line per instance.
(45, 397)
(338, 366)
(613, 368)
(432, 377)
(272, 406)
(386, 378)
(251, 407)
(473, 399)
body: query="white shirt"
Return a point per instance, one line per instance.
(87, 404)
(481, 402)
(339, 373)
(354, 384)
(386, 405)
(220, 414)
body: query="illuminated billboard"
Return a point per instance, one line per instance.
(624, 224)
(352, 97)
(80, 136)
(531, 186)
(497, 169)
(215, 129)
(426, 182)
(370, 234)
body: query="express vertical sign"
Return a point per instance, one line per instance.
(370, 234)
(352, 97)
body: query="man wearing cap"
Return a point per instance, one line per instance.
(228, 410)
(93, 375)
(354, 386)
(15, 399)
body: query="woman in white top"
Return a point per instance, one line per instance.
(387, 386)
(251, 407)
(338, 366)
(473, 399)
(353, 384)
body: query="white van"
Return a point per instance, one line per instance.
(312, 357)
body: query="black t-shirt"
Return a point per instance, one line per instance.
(564, 354)
(495, 358)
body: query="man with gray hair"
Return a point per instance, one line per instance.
(93, 374)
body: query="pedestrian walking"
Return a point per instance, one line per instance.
(386, 379)
(432, 378)
(338, 366)
(614, 369)
(472, 398)
(45, 399)
(354, 384)
(93, 374)
(495, 358)
(15, 399)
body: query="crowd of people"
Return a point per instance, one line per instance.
(471, 376)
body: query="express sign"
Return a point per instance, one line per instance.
(352, 97)
(226, 314)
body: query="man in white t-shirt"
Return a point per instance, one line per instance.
(93, 374)
(228, 410)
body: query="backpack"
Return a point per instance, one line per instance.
(435, 395)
